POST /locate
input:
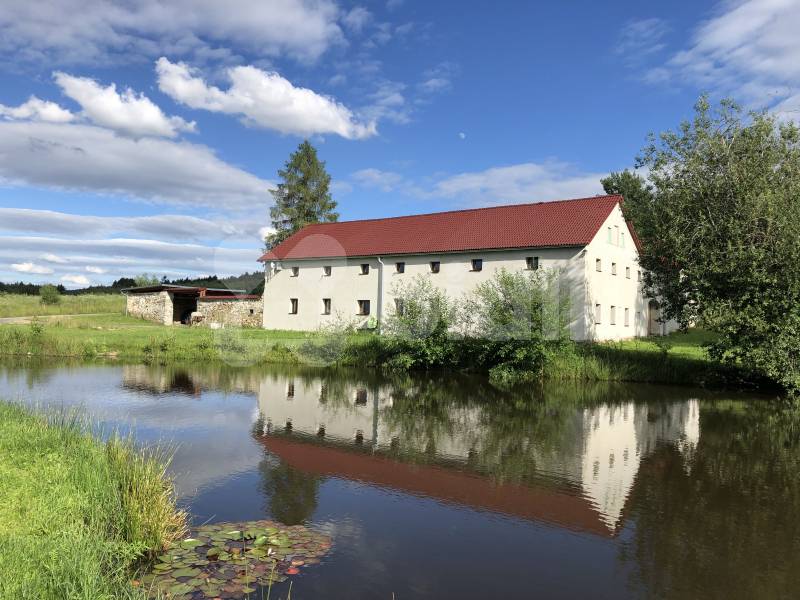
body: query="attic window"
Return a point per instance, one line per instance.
(365, 268)
(326, 270)
(532, 263)
(598, 265)
(477, 264)
(295, 271)
(435, 266)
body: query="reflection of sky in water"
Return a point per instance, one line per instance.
(430, 497)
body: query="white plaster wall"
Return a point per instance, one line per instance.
(345, 286)
(607, 289)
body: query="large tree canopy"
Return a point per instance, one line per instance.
(303, 195)
(721, 233)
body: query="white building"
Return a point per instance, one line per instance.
(347, 271)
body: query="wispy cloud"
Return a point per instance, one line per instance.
(640, 39)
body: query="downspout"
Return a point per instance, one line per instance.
(380, 293)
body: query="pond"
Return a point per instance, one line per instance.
(443, 486)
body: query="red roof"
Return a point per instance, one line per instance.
(541, 225)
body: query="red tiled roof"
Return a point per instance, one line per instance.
(541, 225)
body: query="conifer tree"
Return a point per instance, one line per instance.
(302, 197)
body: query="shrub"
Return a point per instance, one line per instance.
(49, 295)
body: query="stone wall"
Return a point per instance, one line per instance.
(237, 312)
(151, 306)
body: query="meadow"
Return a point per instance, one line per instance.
(21, 305)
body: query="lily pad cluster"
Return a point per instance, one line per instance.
(231, 560)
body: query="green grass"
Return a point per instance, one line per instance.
(77, 515)
(20, 305)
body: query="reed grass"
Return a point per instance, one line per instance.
(77, 515)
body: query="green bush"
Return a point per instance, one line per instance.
(49, 295)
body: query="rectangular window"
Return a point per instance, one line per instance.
(598, 265)
(326, 306)
(365, 268)
(613, 315)
(326, 270)
(361, 397)
(293, 309)
(399, 306)
(616, 235)
(628, 272)
(622, 239)
(363, 307)
(532, 263)
(613, 268)
(477, 264)
(627, 317)
(638, 275)
(400, 267)
(295, 271)
(435, 266)
(608, 238)
(597, 313)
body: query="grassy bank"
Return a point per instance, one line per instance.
(76, 514)
(20, 305)
(678, 359)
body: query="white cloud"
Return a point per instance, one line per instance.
(264, 99)
(641, 38)
(750, 48)
(100, 32)
(37, 110)
(357, 18)
(95, 270)
(93, 159)
(163, 226)
(78, 280)
(385, 181)
(525, 182)
(388, 102)
(49, 257)
(29, 267)
(126, 112)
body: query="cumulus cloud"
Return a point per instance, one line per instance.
(100, 32)
(76, 280)
(164, 226)
(37, 110)
(263, 99)
(95, 270)
(750, 48)
(126, 111)
(93, 159)
(29, 267)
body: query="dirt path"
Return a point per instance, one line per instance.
(26, 320)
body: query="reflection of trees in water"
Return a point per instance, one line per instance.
(292, 495)
(728, 525)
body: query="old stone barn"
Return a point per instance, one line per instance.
(176, 304)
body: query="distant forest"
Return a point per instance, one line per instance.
(251, 283)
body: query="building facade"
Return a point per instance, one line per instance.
(352, 271)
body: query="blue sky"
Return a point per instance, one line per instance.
(144, 136)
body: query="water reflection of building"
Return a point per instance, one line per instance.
(584, 471)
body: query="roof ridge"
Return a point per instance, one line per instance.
(464, 210)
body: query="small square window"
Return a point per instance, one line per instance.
(400, 267)
(326, 270)
(613, 268)
(613, 319)
(435, 266)
(252, 311)
(628, 272)
(598, 265)
(532, 263)
(363, 307)
(295, 271)
(399, 306)
(477, 264)
(326, 306)
(627, 317)
(365, 268)
(293, 302)
(597, 313)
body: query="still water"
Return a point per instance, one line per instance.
(446, 487)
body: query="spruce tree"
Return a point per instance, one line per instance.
(303, 196)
